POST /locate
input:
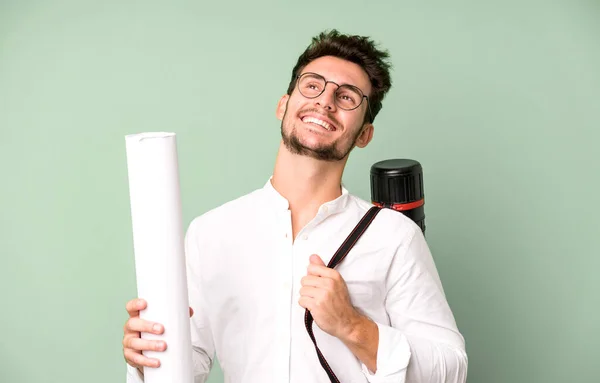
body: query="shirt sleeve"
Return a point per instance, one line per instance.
(393, 356)
(202, 340)
(134, 375)
(421, 342)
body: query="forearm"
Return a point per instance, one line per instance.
(362, 339)
(431, 360)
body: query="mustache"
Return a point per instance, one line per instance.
(320, 112)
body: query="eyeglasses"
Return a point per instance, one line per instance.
(347, 97)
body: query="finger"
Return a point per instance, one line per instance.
(136, 359)
(307, 302)
(309, 280)
(322, 271)
(134, 306)
(141, 325)
(139, 344)
(310, 292)
(315, 281)
(316, 260)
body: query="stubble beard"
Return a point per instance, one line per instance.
(326, 152)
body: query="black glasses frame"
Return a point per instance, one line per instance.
(338, 85)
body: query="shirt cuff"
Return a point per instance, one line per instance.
(134, 375)
(393, 356)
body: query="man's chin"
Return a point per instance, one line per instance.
(320, 152)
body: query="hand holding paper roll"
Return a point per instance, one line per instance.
(158, 241)
(133, 344)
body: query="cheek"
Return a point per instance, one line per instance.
(352, 125)
(294, 106)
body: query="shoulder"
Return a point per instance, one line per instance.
(388, 223)
(395, 232)
(227, 213)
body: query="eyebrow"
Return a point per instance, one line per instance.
(355, 86)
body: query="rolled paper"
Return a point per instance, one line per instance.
(158, 242)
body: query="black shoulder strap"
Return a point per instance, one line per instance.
(339, 255)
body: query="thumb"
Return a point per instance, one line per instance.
(316, 260)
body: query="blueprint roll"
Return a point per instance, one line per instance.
(158, 242)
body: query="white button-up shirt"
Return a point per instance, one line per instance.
(244, 272)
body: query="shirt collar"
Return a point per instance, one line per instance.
(329, 207)
(274, 196)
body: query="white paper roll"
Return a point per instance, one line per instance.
(158, 240)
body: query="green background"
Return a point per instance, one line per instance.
(499, 100)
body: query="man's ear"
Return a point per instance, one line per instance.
(365, 136)
(281, 107)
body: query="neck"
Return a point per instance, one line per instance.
(305, 182)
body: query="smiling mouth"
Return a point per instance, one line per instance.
(321, 123)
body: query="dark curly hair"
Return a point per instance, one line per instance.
(357, 49)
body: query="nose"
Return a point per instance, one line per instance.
(327, 99)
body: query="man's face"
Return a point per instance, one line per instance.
(317, 127)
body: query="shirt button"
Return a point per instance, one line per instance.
(305, 237)
(325, 209)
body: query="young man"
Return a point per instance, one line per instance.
(256, 263)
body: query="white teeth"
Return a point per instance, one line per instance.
(319, 122)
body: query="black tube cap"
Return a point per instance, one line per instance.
(397, 182)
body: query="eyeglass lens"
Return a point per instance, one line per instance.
(346, 96)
